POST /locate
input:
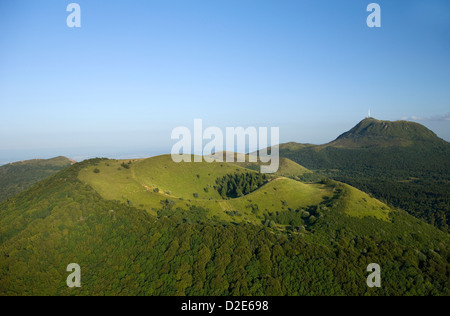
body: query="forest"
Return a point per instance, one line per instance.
(239, 184)
(17, 177)
(415, 178)
(123, 250)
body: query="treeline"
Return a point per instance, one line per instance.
(121, 253)
(239, 184)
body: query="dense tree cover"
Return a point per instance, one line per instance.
(239, 184)
(415, 178)
(123, 250)
(17, 177)
(299, 218)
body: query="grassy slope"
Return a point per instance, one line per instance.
(287, 168)
(179, 182)
(184, 179)
(359, 204)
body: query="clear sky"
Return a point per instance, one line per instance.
(136, 69)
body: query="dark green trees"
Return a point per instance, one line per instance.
(239, 184)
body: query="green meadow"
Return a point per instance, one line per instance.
(150, 184)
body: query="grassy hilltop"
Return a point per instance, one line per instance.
(150, 183)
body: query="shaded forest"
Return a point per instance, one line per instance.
(239, 184)
(415, 178)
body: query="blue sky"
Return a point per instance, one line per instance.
(137, 69)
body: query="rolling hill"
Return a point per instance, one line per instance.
(19, 176)
(402, 163)
(150, 183)
(153, 227)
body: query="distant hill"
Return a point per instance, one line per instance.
(154, 227)
(402, 163)
(287, 168)
(375, 133)
(19, 176)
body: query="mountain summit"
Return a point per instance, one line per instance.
(371, 132)
(402, 163)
